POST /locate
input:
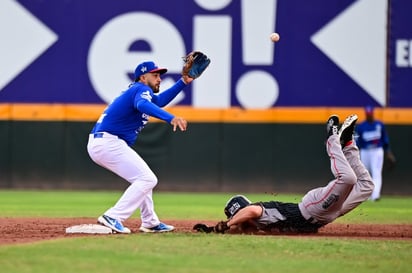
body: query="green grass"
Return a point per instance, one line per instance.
(177, 252)
(206, 253)
(203, 206)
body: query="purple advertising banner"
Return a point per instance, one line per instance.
(400, 75)
(330, 53)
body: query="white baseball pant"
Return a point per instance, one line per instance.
(373, 160)
(114, 154)
(352, 185)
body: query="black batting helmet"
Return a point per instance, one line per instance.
(234, 204)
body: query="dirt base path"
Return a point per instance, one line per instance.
(26, 230)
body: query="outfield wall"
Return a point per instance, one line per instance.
(255, 116)
(237, 157)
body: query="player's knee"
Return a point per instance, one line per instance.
(369, 185)
(349, 178)
(150, 180)
(367, 181)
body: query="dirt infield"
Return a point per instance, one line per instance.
(26, 230)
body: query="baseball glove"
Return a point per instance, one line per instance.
(221, 227)
(195, 63)
(203, 228)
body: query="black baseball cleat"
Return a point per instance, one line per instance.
(346, 130)
(332, 126)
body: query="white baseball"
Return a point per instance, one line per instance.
(274, 37)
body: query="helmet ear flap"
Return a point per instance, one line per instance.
(234, 204)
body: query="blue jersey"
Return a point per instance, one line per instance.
(371, 135)
(128, 114)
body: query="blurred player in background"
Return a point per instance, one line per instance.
(373, 142)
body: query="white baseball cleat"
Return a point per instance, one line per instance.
(332, 126)
(346, 130)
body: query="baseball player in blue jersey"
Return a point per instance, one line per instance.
(373, 142)
(352, 186)
(118, 128)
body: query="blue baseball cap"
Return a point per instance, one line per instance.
(148, 67)
(369, 109)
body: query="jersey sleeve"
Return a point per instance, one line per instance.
(151, 109)
(385, 138)
(359, 136)
(168, 95)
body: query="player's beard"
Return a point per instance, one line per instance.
(155, 87)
